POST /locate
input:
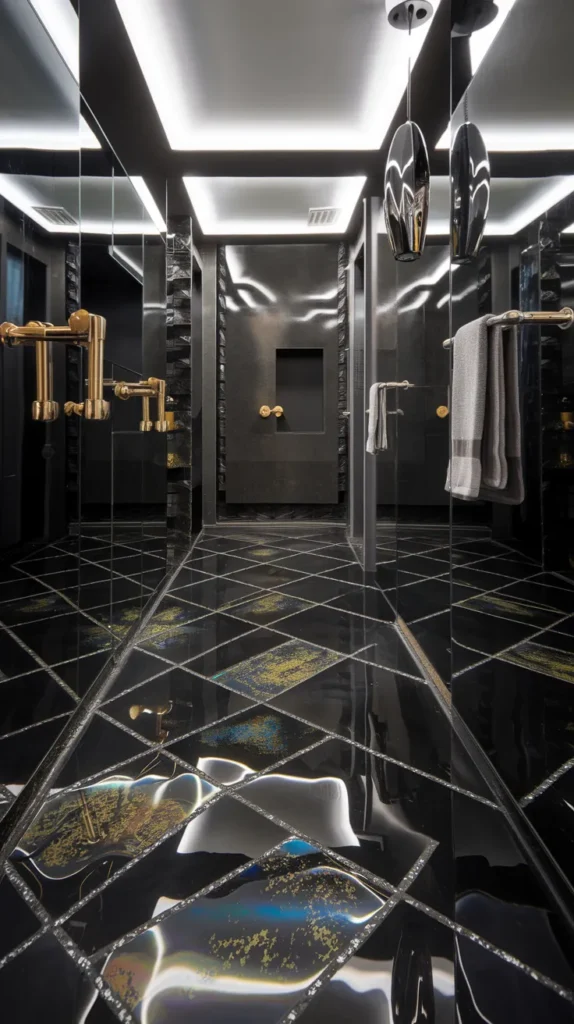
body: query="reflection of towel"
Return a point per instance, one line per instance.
(377, 440)
(486, 436)
(510, 490)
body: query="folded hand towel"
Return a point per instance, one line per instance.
(468, 403)
(486, 458)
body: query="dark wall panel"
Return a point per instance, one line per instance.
(282, 338)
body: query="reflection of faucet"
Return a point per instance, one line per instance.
(158, 711)
(87, 329)
(153, 387)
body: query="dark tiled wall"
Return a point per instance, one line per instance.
(178, 373)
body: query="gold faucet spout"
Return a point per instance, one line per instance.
(44, 408)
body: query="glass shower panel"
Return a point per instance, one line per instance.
(386, 342)
(356, 400)
(139, 422)
(512, 664)
(39, 203)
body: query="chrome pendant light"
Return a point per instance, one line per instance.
(470, 192)
(407, 182)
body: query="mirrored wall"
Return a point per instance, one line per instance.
(84, 415)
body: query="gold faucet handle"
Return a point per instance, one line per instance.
(74, 407)
(265, 412)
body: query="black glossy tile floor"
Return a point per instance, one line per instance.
(267, 818)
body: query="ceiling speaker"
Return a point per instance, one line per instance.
(409, 13)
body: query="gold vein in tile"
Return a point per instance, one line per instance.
(512, 608)
(542, 659)
(267, 675)
(271, 605)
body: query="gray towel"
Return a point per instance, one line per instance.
(512, 493)
(377, 438)
(467, 408)
(493, 453)
(486, 433)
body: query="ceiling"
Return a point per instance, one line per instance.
(522, 93)
(268, 75)
(259, 111)
(40, 103)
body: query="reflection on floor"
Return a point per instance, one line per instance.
(268, 819)
(509, 642)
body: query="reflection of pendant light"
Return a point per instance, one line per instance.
(407, 177)
(469, 192)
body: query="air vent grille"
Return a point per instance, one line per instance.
(323, 216)
(56, 215)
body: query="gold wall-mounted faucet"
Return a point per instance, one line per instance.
(87, 329)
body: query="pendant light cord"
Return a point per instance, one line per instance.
(409, 98)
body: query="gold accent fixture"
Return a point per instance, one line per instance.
(153, 387)
(87, 329)
(442, 411)
(265, 411)
(158, 711)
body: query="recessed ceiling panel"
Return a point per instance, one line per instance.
(274, 206)
(109, 206)
(514, 203)
(521, 96)
(39, 95)
(271, 74)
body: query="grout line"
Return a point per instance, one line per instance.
(357, 941)
(27, 804)
(44, 930)
(376, 753)
(111, 947)
(479, 940)
(499, 655)
(547, 783)
(34, 725)
(69, 947)
(137, 859)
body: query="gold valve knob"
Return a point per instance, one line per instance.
(71, 408)
(265, 411)
(442, 411)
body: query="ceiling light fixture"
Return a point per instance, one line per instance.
(149, 203)
(202, 193)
